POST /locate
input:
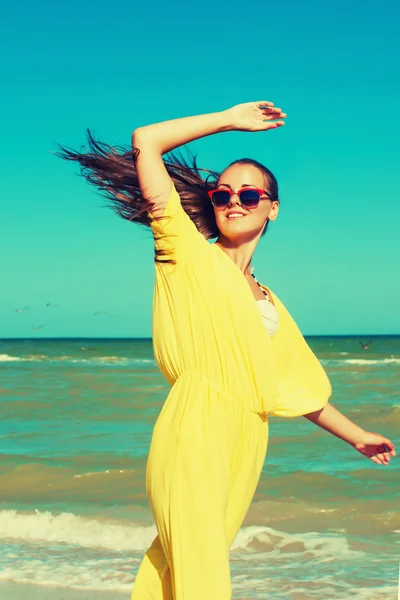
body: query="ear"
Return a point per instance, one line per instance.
(273, 213)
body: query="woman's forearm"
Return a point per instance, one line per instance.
(330, 419)
(168, 135)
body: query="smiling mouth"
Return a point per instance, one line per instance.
(235, 217)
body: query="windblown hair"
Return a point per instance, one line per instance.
(112, 170)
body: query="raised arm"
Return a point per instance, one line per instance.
(153, 141)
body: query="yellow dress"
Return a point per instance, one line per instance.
(210, 439)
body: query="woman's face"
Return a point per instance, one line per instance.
(254, 220)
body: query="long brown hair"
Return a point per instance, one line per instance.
(112, 170)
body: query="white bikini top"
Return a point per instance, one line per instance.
(268, 311)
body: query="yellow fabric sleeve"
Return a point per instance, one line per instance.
(303, 385)
(175, 234)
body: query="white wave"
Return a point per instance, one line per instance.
(367, 361)
(8, 358)
(118, 577)
(361, 361)
(120, 536)
(95, 473)
(105, 555)
(71, 572)
(72, 529)
(72, 359)
(275, 542)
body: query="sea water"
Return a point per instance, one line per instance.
(77, 418)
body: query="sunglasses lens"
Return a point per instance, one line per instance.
(220, 198)
(249, 198)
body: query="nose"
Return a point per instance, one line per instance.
(236, 196)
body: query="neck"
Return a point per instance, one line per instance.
(241, 256)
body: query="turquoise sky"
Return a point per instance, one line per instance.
(333, 254)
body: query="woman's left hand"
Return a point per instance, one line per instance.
(376, 447)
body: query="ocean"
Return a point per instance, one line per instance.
(77, 418)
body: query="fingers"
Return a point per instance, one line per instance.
(273, 113)
(264, 103)
(269, 112)
(271, 109)
(379, 459)
(265, 125)
(383, 452)
(276, 116)
(388, 446)
(383, 457)
(273, 125)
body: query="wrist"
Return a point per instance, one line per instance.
(226, 121)
(358, 439)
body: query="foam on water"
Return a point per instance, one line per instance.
(121, 359)
(74, 530)
(82, 553)
(361, 361)
(72, 359)
(7, 358)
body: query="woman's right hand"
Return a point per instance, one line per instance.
(255, 116)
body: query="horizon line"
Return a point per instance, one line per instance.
(331, 335)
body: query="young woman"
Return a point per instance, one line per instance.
(226, 344)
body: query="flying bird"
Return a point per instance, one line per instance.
(38, 327)
(53, 305)
(20, 310)
(365, 346)
(101, 312)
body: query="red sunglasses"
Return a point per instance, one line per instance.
(249, 197)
